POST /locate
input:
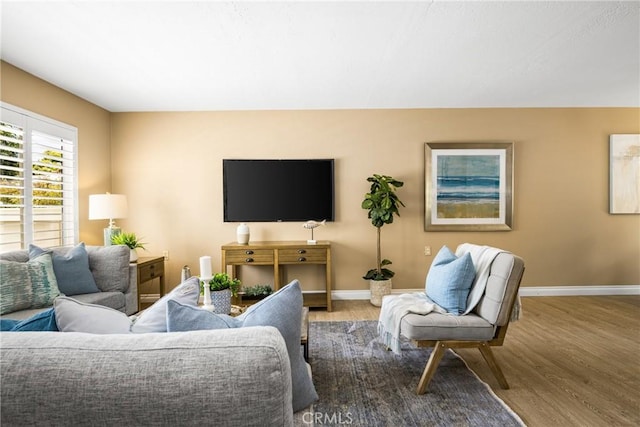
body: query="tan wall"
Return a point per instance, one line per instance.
(169, 165)
(94, 167)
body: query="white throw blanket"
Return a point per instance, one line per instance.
(482, 257)
(395, 308)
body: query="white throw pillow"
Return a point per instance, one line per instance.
(75, 316)
(154, 319)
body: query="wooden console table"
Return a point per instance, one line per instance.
(278, 254)
(150, 268)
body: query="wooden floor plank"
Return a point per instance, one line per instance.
(570, 361)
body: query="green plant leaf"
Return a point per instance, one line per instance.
(127, 239)
(222, 281)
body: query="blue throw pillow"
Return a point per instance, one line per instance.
(8, 324)
(182, 318)
(43, 321)
(282, 310)
(71, 269)
(449, 280)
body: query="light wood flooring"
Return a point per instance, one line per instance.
(570, 361)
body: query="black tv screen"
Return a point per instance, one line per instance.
(278, 190)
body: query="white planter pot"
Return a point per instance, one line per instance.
(221, 301)
(133, 255)
(379, 288)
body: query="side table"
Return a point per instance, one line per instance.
(150, 268)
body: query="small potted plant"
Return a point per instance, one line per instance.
(129, 240)
(382, 203)
(256, 293)
(222, 288)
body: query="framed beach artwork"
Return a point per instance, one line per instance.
(468, 186)
(624, 174)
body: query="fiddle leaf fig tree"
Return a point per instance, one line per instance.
(382, 203)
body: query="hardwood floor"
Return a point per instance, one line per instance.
(570, 361)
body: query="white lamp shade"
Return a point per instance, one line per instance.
(107, 206)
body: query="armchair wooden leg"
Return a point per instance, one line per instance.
(432, 365)
(485, 349)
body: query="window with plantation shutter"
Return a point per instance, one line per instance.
(38, 185)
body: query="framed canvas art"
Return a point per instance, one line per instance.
(624, 174)
(468, 186)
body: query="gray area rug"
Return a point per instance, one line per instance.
(360, 383)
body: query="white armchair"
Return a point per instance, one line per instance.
(484, 327)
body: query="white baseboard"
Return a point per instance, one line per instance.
(557, 291)
(347, 295)
(526, 291)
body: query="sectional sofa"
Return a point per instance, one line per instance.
(238, 377)
(92, 274)
(172, 364)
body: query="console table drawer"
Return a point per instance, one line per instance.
(150, 271)
(249, 256)
(303, 255)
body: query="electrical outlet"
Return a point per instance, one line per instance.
(165, 254)
(427, 250)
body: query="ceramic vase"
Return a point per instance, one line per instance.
(221, 301)
(242, 233)
(133, 255)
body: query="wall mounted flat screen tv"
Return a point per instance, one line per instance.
(278, 190)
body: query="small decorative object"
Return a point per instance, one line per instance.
(310, 225)
(205, 276)
(186, 273)
(207, 304)
(382, 203)
(222, 288)
(131, 241)
(624, 174)
(242, 233)
(205, 268)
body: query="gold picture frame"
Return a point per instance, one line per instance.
(468, 186)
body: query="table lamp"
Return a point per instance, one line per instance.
(108, 206)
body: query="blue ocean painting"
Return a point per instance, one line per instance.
(468, 186)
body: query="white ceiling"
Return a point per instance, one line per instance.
(184, 55)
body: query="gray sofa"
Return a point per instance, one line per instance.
(115, 277)
(239, 377)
